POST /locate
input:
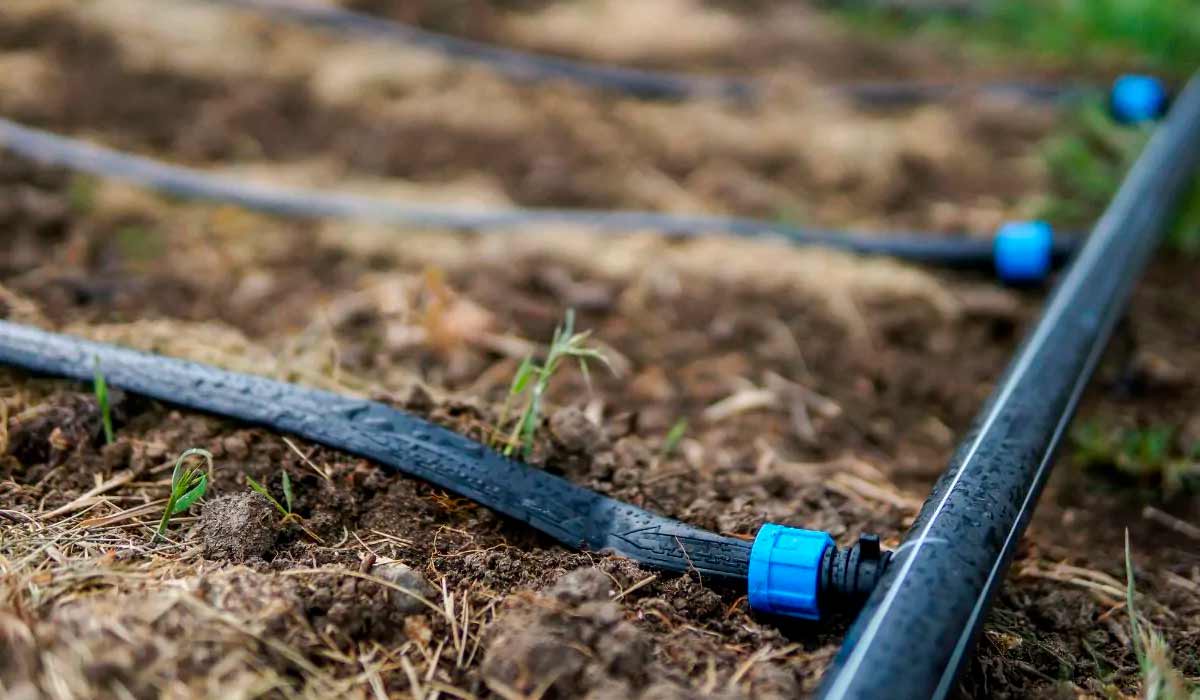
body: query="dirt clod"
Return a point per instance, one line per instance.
(238, 527)
(575, 431)
(570, 642)
(582, 586)
(47, 434)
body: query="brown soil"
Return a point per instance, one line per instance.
(542, 145)
(820, 390)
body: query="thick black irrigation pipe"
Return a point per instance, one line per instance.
(524, 66)
(917, 628)
(52, 149)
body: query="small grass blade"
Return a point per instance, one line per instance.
(1130, 593)
(674, 436)
(100, 386)
(287, 491)
(521, 379)
(266, 494)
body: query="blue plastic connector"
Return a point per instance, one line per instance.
(1023, 251)
(1137, 98)
(785, 569)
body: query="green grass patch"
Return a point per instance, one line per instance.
(1157, 35)
(1087, 158)
(1152, 455)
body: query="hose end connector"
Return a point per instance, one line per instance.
(1023, 251)
(849, 575)
(1135, 99)
(785, 570)
(801, 573)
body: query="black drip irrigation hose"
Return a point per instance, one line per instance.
(572, 515)
(575, 516)
(921, 622)
(55, 150)
(516, 65)
(646, 84)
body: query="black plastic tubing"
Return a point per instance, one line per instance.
(518, 65)
(575, 516)
(920, 623)
(645, 84)
(52, 149)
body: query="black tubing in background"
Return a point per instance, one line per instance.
(52, 149)
(518, 65)
(918, 626)
(646, 84)
(575, 516)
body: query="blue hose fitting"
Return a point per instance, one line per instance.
(1023, 251)
(785, 570)
(1137, 98)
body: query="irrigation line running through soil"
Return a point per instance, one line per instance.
(525, 66)
(573, 515)
(918, 626)
(52, 149)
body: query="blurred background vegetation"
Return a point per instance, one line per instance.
(1089, 154)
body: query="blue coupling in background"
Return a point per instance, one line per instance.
(785, 570)
(1137, 98)
(1023, 251)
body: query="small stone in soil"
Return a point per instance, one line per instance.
(407, 578)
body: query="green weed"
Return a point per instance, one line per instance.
(532, 381)
(81, 194)
(285, 508)
(187, 486)
(674, 436)
(139, 244)
(100, 387)
(1147, 454)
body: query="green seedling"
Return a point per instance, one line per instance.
(81, 194)
(532, 381)
(187, 486)
(674, 436)
(285, 508)
(100, 387)
(1160, 677)
(139, 244)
